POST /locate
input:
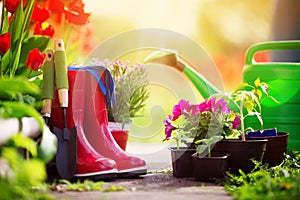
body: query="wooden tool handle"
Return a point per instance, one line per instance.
(61, 72)
(46, 109)
(48, 83)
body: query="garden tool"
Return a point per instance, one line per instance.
(90, 164)
(283, 79)
(168, 57)
(48, 86)
(66, 156)
(96, 125)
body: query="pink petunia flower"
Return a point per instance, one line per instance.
(221, 103)
(169, 127)
(236, 122)
(179, 108)
(206, 105)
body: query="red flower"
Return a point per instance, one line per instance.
(75, 13)
(35, 59)
(40, 29)
(39, 14)
(4, 43)
(56, 6)
(77, 18)
(12, 5)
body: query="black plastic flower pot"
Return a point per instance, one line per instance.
(276, 148)
(242, 153)
(210, 168)
(182, 162)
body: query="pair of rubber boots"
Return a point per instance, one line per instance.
(98, 155)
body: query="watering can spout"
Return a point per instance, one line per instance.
(169, 58)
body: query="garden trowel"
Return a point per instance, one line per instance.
(66, 155)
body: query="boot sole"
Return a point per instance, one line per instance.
(132, 172)
(109, 174)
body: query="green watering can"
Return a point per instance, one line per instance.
(283, 78)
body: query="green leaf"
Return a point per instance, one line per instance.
(26, 143)
(241, 86)
(19, 110)
(5, 22)
(34, 171)
(258, 115)
(216, 139)
(19, 85)
(248, 105)
(201, 148)
(257, 82)
(5, 63)
(37, 41)
(15, 27)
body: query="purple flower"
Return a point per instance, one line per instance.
(168, 127)
(179, 108)
(236, 122)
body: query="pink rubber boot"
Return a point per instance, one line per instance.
(96, 127)
(90, 164)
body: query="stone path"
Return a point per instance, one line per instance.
(154, 185)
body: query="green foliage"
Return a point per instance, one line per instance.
(280, 182)
(18, 89)
(214, 130)
(131, 91)
(247, 100)
(12, 63)
(16, 99)
(88, 185)
(22, 178)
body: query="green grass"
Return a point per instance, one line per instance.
(280, 182)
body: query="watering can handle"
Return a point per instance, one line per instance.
(272, 45)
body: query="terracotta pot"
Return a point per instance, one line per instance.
(182, 162)
(120, 133)
(242, 152)
(210, 168)
(276, 148)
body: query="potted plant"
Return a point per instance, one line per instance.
(247, 103)
(277, 141)
(131, 94)
(202, 125)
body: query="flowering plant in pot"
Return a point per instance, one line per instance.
(131, 94)
(202, 124)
